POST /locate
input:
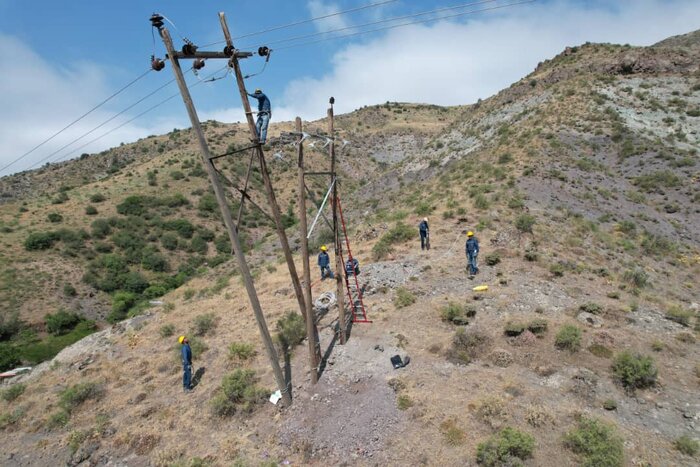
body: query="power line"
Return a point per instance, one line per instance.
(208, 78)
(386, 28)
(103, 123)
(305, 21)
(373, 23)
(76, 120)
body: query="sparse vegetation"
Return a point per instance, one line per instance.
(241, 351)
(13, 392)
(507, 447)
(404, 297)
(524, 223)
(204, 324)
(492, 259)
(291, 330)
(238, 393)
(74, 396)
(687, 445)
(634, 371)
(467, 345)
(568, 338)
(399, 234)
(596, 443)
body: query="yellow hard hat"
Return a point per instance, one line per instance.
(181, 339)
(257, 91)
(470, 234)
(323, 248)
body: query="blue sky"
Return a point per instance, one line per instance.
(58, 62)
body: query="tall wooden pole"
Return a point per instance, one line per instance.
(264, 172)
(311, 331)
(228, 220)
(339, 267)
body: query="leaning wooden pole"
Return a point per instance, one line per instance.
(228, 220)
(339, 267)
(311, 330)
(272, 201)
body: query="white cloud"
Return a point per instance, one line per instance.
(452, 63)
(40, 99)
(320, 8)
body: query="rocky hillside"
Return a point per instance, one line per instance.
(581, 182)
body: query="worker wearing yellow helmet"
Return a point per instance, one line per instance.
(324, 262)
(472, 250)
(186, 352)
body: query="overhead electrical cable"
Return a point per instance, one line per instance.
(115, 94)
(386, 28)
(209, 78)
(374, 23)
(305, 21)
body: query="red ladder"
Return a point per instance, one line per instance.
(357, 306)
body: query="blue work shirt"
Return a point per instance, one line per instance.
(423, 226)
(472, 245)
(263, 102)
(323, 259)
(186, 355)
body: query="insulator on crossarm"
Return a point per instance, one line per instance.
(263, 51)
(156, 63)
(156, 20)
(228, 50)
(198, 64)
(189, 48)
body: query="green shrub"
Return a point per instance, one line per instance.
(687, 445)
(597, 444)
(453, 312)
(238, 393)
(514, 328)
(492, 259)
(10, 324)
(177, 175)
(568, 338)
(505, 448)
(291, 330)
(679, 315)
(74, 396)
(40, 240)
(634, 371)
(34, 352)
(467, 345)
(524, 223)
(600, 351)
(636, 277)
(155, 262)
(423, 208)
(480, 201)
(183, 227)
(57, 419)
(54, 217)
(11, 418)
(591, 307)
(241, 351)
(654, 181)
(169, 241)
(203, 324)
(60, 322)
(208, 204)
(537, 326)
(166, 330)
(69, 290)
(90, 210)
(398, 234)
(557, 269)
(121, 304)
(403, 402)
(610, 404)
(97, 198)
(404, 297)
(13, 392)
(155, 291)
(100, 228)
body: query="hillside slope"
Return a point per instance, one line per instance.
(580, 181)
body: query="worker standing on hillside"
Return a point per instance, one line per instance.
(472, 248)
(424, 231)
(324, 262)
(264, 114)
(186, 363)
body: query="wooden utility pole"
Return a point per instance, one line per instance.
(339, 266)
(228, 220)
(264, 171)
(311, 331)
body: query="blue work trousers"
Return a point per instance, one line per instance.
(187, 377)
(473, 267)
(326, 272)
(261, 126)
